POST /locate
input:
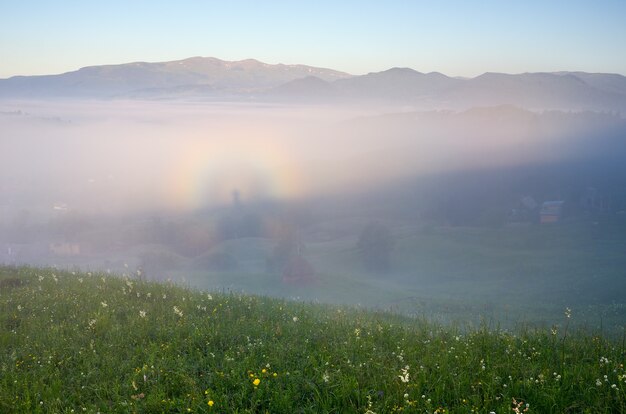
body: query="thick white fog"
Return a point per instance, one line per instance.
(120, 156)
(238, 195)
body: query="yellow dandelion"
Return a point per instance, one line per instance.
(210, 403)
(256, 382)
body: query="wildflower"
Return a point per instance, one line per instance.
(405, 374)
(518, 406)
(104, 304)
(256, 382)
(325, 377)
(177, 311)
(295, 319)
(568, 313)
(210, 403)
(142, 313)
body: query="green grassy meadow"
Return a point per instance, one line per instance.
(505, 276)
(87, 342)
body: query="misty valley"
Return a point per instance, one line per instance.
(432, 213)
(212, 236)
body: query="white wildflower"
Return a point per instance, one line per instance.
(405, 374)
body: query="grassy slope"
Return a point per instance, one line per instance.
(525, 274)
(80, 342)
(507, 275)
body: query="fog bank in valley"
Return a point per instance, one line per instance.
(382, 205)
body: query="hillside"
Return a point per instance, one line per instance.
(96, 343)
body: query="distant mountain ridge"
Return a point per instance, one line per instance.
(207, 73)
(251, 80)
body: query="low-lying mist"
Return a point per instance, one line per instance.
(113, 157)
(419, 211)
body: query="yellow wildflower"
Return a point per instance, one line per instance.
(256, 382)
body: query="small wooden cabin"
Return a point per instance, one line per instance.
(551, 212)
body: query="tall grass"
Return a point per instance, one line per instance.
(92, 343)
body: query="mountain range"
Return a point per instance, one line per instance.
(250, 80)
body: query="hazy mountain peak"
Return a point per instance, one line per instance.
(212, 78)
(401, 71)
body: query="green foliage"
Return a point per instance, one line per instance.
(92, 343)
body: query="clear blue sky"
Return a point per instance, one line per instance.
(459, 38)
